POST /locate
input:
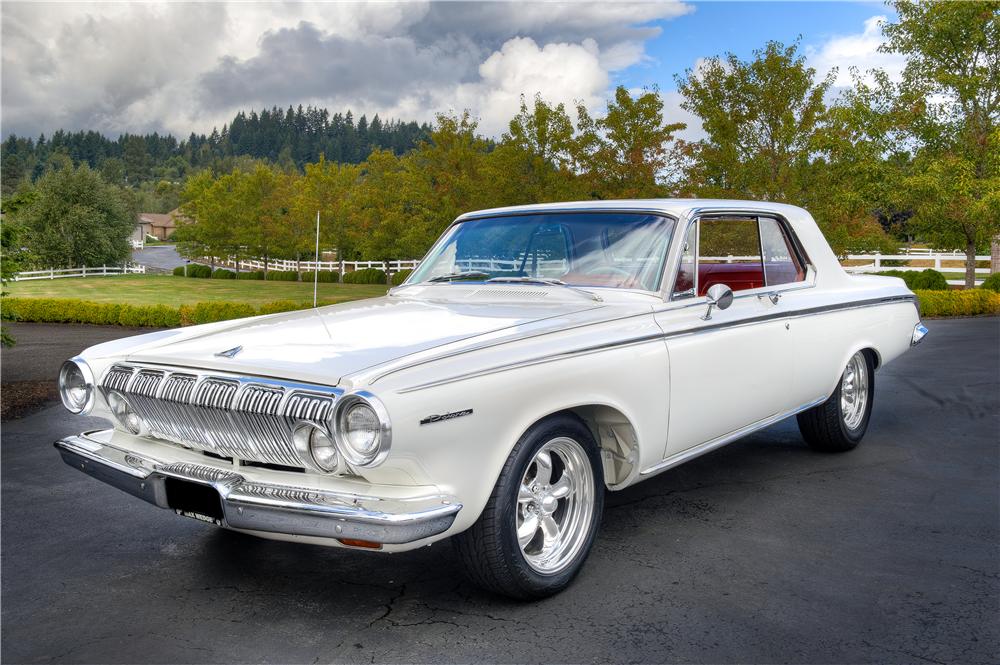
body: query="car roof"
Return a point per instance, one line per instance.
(674, 207)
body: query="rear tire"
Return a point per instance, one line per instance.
(542, 518)
(838, 424)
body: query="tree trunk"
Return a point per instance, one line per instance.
(265, 266)
(970, 265)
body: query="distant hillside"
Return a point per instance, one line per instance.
(292, 136)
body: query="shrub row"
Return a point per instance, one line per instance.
(325, 276)
(200, 271)
(68, 310)
(400, 277)
(925, 280)
(969, 302)
(992, 282)
(365, 276)
(194, 270)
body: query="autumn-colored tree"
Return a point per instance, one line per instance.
(323, 188)
(761, 118)
(261, 202)
(534, 160)
(631, 151)
(207, 226)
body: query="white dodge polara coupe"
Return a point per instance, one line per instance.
(537, 357)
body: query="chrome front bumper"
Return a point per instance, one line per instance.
(257, 506)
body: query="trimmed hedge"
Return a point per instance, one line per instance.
(925, 280)
(325, 276)
(282, 276)
(282, 306)
(210, 312)
(251, 274)
(400, 277)
(179, 271)
(992, 282)
(68, 310)
(222, 273)
(968, 302)
(365, 276)
(198, 270)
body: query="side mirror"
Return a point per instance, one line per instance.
(719, 295)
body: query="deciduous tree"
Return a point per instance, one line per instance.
(949, 100)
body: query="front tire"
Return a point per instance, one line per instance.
(542, 518)
(838, 424)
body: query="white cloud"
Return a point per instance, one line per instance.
(184, 67)
(859, 50)
(561, 73)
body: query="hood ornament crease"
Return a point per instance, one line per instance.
(229, 353)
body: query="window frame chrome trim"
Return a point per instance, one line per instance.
(694, 217)
(475, 216)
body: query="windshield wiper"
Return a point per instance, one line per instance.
(548, 281)
(450, 277)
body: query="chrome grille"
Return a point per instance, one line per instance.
(247, 418)
(117, 377)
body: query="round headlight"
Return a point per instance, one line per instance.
(363, 430)
(313, 443)
(125, 414)
(76, 386)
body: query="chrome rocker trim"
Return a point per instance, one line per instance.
(256, 506)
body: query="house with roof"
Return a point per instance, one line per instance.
(159, 225)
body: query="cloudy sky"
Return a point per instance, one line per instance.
(182, 67)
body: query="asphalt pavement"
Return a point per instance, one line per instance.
(760, 552)
(160, 257)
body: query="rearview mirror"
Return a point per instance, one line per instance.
(719, 295)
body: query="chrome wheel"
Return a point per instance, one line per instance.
(854, 391)
(555, 506)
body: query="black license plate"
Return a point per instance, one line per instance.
(195, 500)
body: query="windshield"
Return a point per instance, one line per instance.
(606, 249)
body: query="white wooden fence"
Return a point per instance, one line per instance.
(57, 273)
(283, 265)
(874, 263)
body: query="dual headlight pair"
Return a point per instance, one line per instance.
(361, 434)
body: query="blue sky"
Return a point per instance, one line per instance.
(715, 28)
(90, 65)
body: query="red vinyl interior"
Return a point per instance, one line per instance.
(738, 276)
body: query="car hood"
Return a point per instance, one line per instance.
(325, 344)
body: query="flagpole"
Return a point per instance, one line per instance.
(316, 269)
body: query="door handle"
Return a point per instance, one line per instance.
(773, 296)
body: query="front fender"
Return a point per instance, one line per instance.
(464, 455)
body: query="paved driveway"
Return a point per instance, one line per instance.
(162, 257)
(760, 552)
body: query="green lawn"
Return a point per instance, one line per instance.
(176, 291)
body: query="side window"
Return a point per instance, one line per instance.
(729, 253)
(684, 284)
(781, 262)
